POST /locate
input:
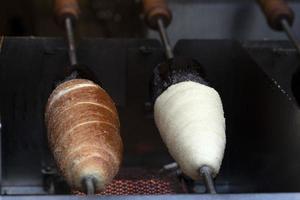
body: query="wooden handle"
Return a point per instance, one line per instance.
(155, 9)
(84, 133)
(276, 10)
(66, 8)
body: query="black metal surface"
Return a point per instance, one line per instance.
(279, 60)
(1, 162)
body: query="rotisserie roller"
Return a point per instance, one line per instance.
(182, 121)
(189, 116)
(84, 134)
(190, 119)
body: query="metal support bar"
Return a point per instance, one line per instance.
(287, 29)
(71, 41)
(89, 185)
(165, 39)
(206, 173)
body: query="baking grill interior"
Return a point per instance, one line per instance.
(139, 181)
(256, 78)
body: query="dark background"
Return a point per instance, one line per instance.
(204, 19)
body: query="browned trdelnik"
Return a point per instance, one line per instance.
(84, 133)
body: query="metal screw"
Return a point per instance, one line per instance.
(146, 50)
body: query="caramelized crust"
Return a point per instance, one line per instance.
(84, 133)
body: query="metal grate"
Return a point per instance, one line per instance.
(137, 181)
(141, 187)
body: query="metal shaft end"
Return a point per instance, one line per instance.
(71, 41)
(286, 27)
(206, 173)
(89, 185)
(165, 39)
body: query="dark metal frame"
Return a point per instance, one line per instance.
(247, 76)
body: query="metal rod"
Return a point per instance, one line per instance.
(89, 185)
(165, 39)
(71, 41)
(206, 173)
(285, 25)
